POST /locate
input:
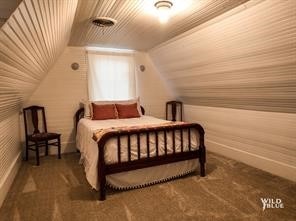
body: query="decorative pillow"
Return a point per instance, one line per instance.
(103, 112)
(88, 107)
(127, 110)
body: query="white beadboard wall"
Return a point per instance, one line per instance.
(152, 89)
(265, 140)
(31, 40)
(63, 89)
(236, 76)
(61, 92)
(10, 153)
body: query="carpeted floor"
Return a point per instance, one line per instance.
(57, 190)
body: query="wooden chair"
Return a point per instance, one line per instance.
(174, 105)
(39, 139)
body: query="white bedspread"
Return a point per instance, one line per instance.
(89, 153)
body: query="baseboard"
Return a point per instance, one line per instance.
(269, 165)
(66, 147)
(7, 180)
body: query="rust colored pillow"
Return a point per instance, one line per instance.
(127, 110)
(104, 111)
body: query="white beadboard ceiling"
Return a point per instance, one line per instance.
(31, 40)
(138, 27)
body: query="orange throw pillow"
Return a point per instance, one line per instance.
(127, 110)
(103, 112)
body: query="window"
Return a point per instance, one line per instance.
(111, 76)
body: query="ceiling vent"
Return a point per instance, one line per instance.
(104, 22)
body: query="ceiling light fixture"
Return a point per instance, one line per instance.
(163, 9)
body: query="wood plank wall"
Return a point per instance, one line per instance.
(31, 40)
(236, 76)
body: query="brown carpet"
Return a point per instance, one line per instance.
(57, 190)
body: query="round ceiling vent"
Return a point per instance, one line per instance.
(104, 21)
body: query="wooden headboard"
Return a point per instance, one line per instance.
(80, 114)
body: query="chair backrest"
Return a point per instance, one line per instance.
(34, 116)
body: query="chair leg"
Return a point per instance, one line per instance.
(27, 150)
(46, 148)
(37, 154)
(59, 148)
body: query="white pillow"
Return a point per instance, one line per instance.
(88, 107)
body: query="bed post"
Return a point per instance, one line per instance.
(202, 152)
(101, 171)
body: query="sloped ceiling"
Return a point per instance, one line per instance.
(246, 60)
(36, 33)
(31, 41)
(138, 27)
(7, 7)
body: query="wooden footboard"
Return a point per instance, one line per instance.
(149, 161)
(185, 153)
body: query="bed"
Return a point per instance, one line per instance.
(136, 152)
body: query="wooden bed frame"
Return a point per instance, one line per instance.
(149, 161)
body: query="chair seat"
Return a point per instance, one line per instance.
(43, 136)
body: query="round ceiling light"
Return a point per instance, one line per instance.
(167, 4)
(104, 21)
(163, 8)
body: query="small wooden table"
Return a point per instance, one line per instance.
(174, 106)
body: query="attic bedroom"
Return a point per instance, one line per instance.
(147, 110)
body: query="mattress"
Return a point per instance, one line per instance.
(130, 179)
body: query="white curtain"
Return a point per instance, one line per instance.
(111, 77)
